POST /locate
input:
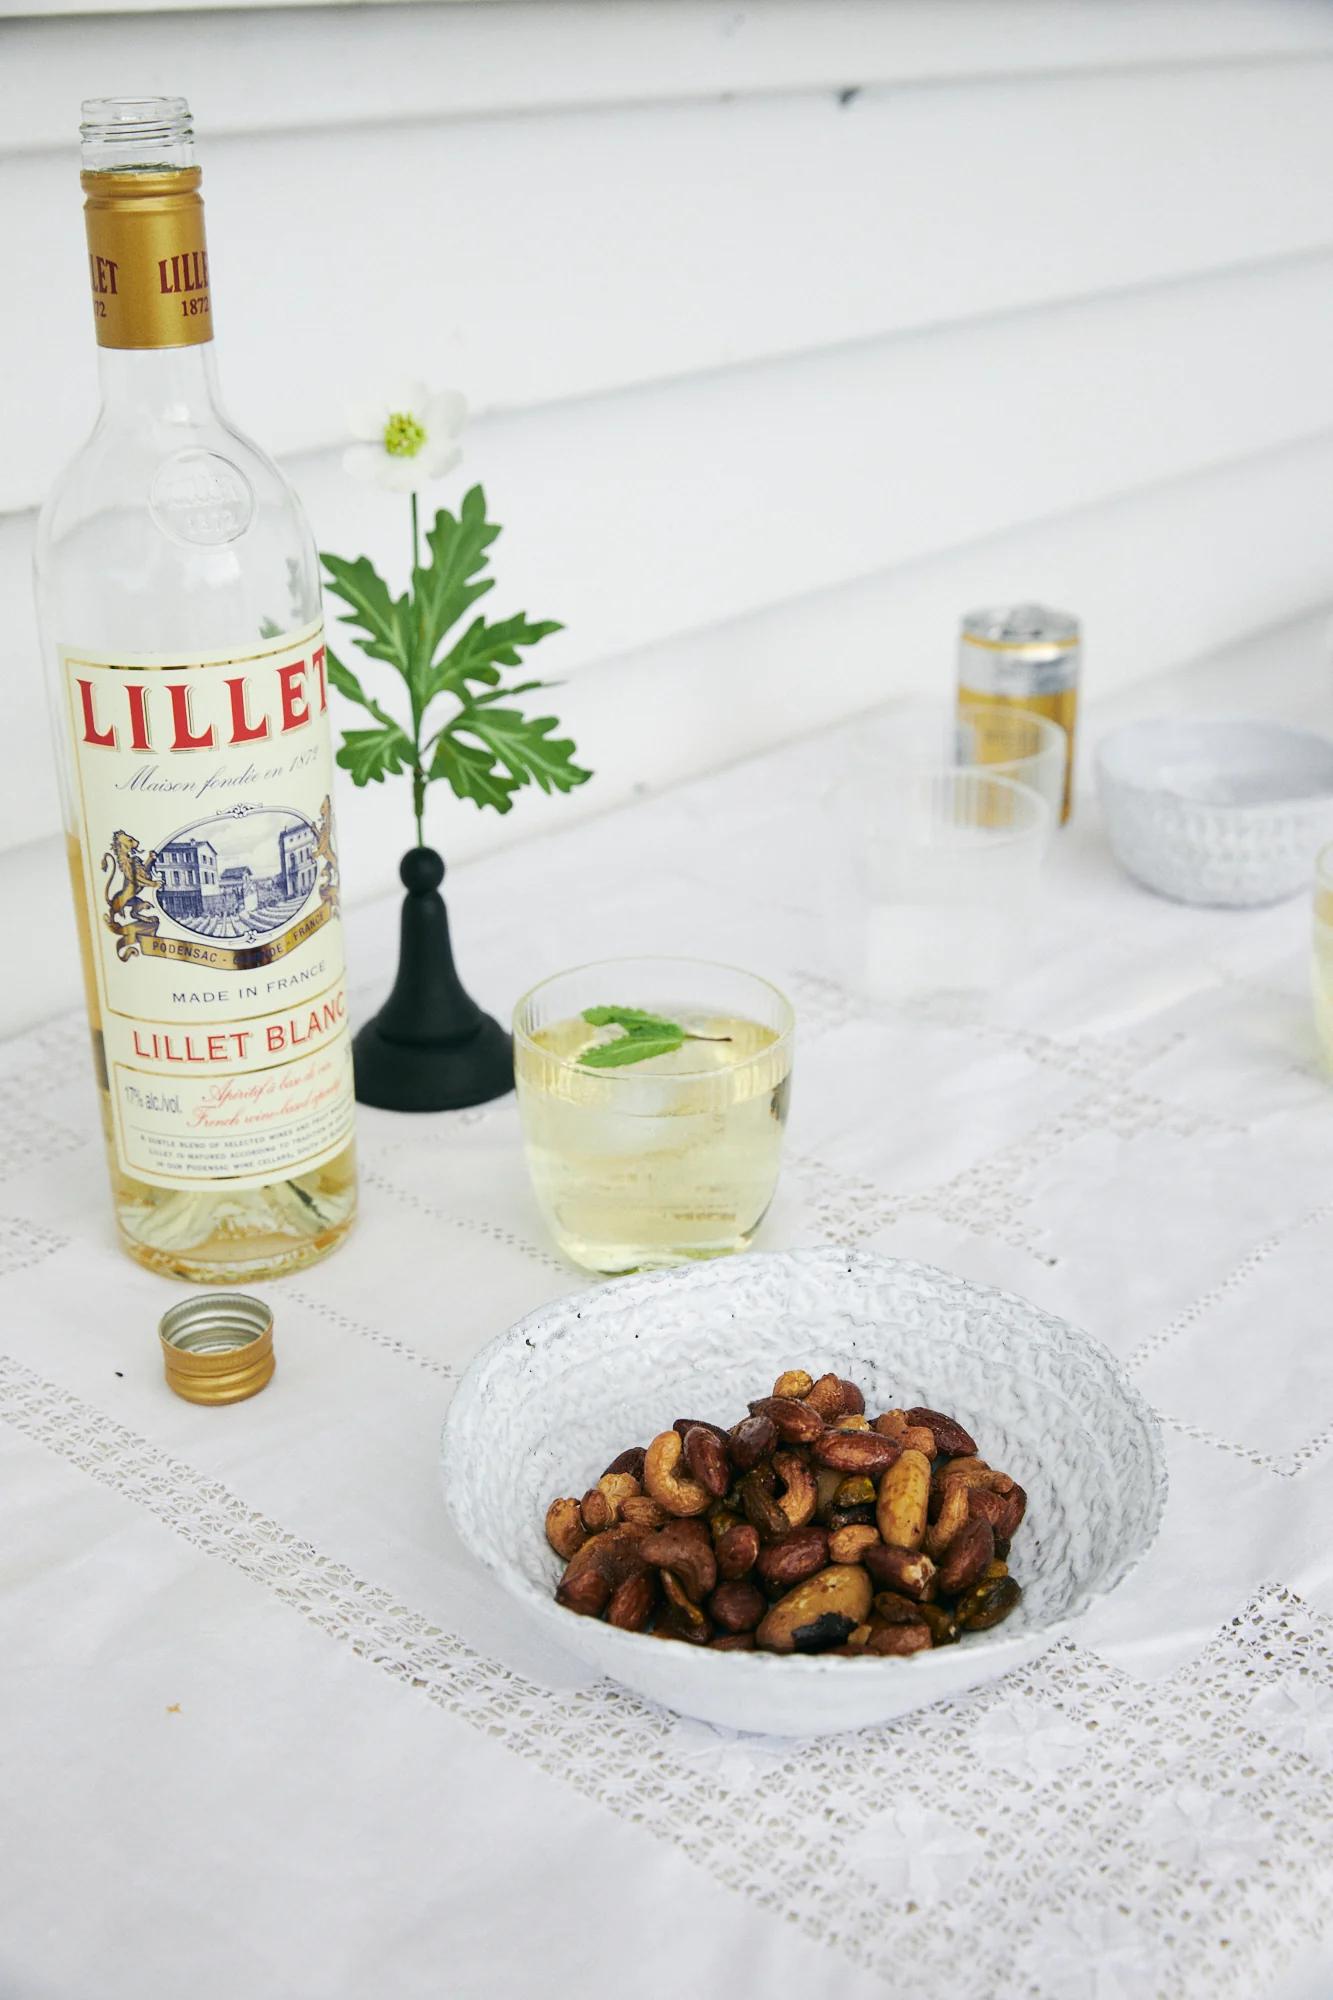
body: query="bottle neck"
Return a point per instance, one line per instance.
(147, 259)
(174, 385)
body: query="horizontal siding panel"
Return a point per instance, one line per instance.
(1159, 578)
(434, 60)
(535, 260)
(640, 517)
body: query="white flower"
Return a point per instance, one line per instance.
(408, 437)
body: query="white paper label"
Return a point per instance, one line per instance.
(203, 795)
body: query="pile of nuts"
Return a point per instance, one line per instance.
(805, 1528)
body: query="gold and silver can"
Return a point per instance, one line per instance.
(1023, 656)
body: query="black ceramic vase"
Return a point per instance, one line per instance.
(430, 1047)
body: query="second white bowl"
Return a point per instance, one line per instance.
(1226, 812)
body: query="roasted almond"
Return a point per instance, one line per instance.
(706, 1457)
(783, 1563)
(854, 1451)
(949, 1435)
(795, 1422)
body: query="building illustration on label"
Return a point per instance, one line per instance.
(245, 875)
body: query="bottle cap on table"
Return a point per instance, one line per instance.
(217, 1348)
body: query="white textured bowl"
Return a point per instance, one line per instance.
(1222, 812)
(546, 1405)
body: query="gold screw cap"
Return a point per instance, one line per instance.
(218, 1348)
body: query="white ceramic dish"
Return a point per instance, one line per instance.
(544, 1408)
(1225, 812)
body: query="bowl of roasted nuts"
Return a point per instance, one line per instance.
(802, 1491)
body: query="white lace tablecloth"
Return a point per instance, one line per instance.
(265, 1731)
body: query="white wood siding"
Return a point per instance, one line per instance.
(791, 328)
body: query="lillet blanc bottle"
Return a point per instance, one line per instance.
(178, 591)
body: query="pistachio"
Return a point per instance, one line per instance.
(942, 1624)
(986, 1603)
(857, 1490)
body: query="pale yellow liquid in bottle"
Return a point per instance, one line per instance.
(212, 1235)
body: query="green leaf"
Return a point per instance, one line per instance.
(631, 1018)
(631, 1049)
(372, 754)
(483, 649)
(386, 622)
(473, 773)
(509, 693)
(346, 682)
(446, 587)
(525, 746)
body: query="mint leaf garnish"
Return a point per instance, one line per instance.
(645, 1035)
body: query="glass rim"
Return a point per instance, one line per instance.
(1042, 813)
(912, 737)
(629, 1073)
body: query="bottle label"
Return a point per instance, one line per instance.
(147, 258)
(204, 819)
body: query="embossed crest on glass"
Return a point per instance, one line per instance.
(667, 1159)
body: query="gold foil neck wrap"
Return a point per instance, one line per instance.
(218, 1348)
(147, 257)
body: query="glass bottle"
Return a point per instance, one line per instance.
(178, 594)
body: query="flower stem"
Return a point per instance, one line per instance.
(418, 775)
